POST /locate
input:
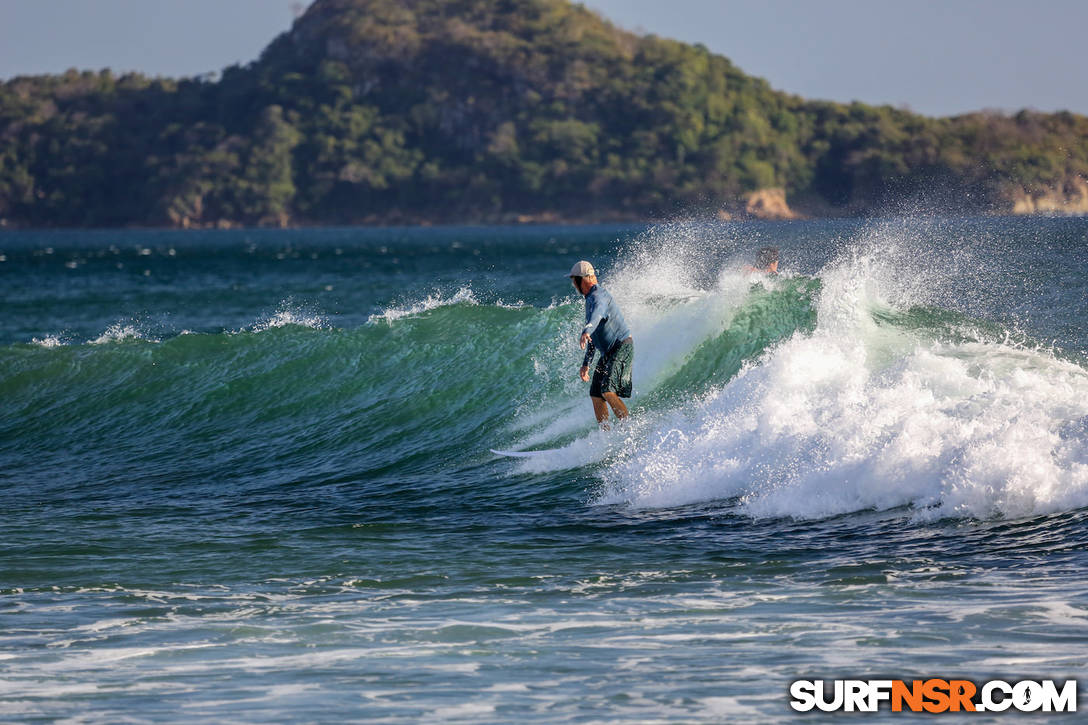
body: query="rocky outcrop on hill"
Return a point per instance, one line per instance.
(768, 204)
(1070, 197)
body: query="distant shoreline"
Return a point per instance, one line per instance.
(536, 220)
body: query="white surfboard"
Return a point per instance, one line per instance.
(522, 454)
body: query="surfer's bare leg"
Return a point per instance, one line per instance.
(617, 406)
(600, 409)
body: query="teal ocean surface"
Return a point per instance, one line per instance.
(245, 475)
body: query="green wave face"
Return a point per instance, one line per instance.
(766, 317)
(387, 398)
(371, 391)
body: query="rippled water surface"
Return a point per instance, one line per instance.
(245, 475)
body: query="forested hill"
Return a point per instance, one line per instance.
(491, 110)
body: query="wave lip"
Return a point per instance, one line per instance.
(434, 301)
(463, 296)
(49, 341)
(120, 332)
(286, 316)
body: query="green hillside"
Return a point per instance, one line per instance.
(485, 110)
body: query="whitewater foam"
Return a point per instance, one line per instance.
(864, 416)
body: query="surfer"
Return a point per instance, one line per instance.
(766, 261)
(606, 332)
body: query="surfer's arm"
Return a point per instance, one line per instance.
(595, 318)
(585, 340)
(584, 372)
(590, 349)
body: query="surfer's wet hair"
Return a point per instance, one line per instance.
(767, 257)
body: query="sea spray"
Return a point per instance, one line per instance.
(858, 415)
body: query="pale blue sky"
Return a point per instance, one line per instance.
(938, 57)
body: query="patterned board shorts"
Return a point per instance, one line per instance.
(613, 373)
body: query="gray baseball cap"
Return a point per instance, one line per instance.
(582, 269)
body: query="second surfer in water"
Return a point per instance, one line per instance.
(606, 332)
(766, 262)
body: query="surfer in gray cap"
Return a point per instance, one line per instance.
(604, 332)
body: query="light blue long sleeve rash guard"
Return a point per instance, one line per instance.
(604, 323)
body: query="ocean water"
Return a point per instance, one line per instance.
(244, 475)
